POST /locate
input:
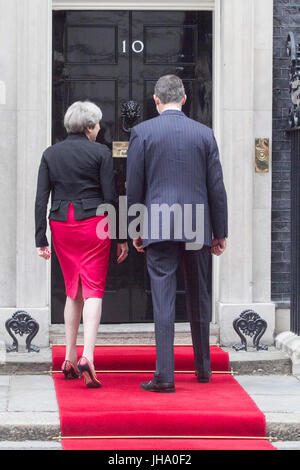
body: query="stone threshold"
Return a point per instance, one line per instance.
(289, 343)
(45, 426)
(52, 445)
(30, 445)
(283, 426)
(251, 362)
(32, 426)
(136, 333)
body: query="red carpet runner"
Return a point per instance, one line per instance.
(215, 416)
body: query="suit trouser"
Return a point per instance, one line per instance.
(163, 259)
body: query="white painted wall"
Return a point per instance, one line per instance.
(245, 268)
(24, 68)
(8, 152)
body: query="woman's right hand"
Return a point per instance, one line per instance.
(44, 252)
(122, 252)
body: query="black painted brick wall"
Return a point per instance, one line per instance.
(286, 18)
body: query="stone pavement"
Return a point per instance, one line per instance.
(29, 416)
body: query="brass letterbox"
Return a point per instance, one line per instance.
(120, 149)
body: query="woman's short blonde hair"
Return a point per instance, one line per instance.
(80, 115)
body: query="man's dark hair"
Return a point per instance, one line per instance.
(169, 89)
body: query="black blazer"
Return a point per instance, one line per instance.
(76, 170)
(173, 159)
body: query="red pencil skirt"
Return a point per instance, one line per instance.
(82, 252)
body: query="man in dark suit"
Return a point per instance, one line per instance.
(174, 161)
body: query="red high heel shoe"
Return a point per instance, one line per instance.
(88, 373)
(69, 370)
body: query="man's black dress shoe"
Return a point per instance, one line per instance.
(162, 387)
(203, 378)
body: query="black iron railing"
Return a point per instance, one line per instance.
(293, 51)
(295, 230)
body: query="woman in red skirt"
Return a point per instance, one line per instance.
(80, 176)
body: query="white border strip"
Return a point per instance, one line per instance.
(133, 5)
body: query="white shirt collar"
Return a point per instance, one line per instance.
(171, 107)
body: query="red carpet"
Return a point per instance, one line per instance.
(141, 358)
(120, 408)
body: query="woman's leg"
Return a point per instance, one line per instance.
(72, 315)
(91, 319)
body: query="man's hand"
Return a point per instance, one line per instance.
(44, 252)
(122, 252)
(138, 244)
(218, 246)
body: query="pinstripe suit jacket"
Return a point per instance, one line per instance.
(173, 159)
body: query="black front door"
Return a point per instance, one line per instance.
(111, 57)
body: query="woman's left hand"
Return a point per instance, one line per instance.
(122, 252)
(44, 252)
